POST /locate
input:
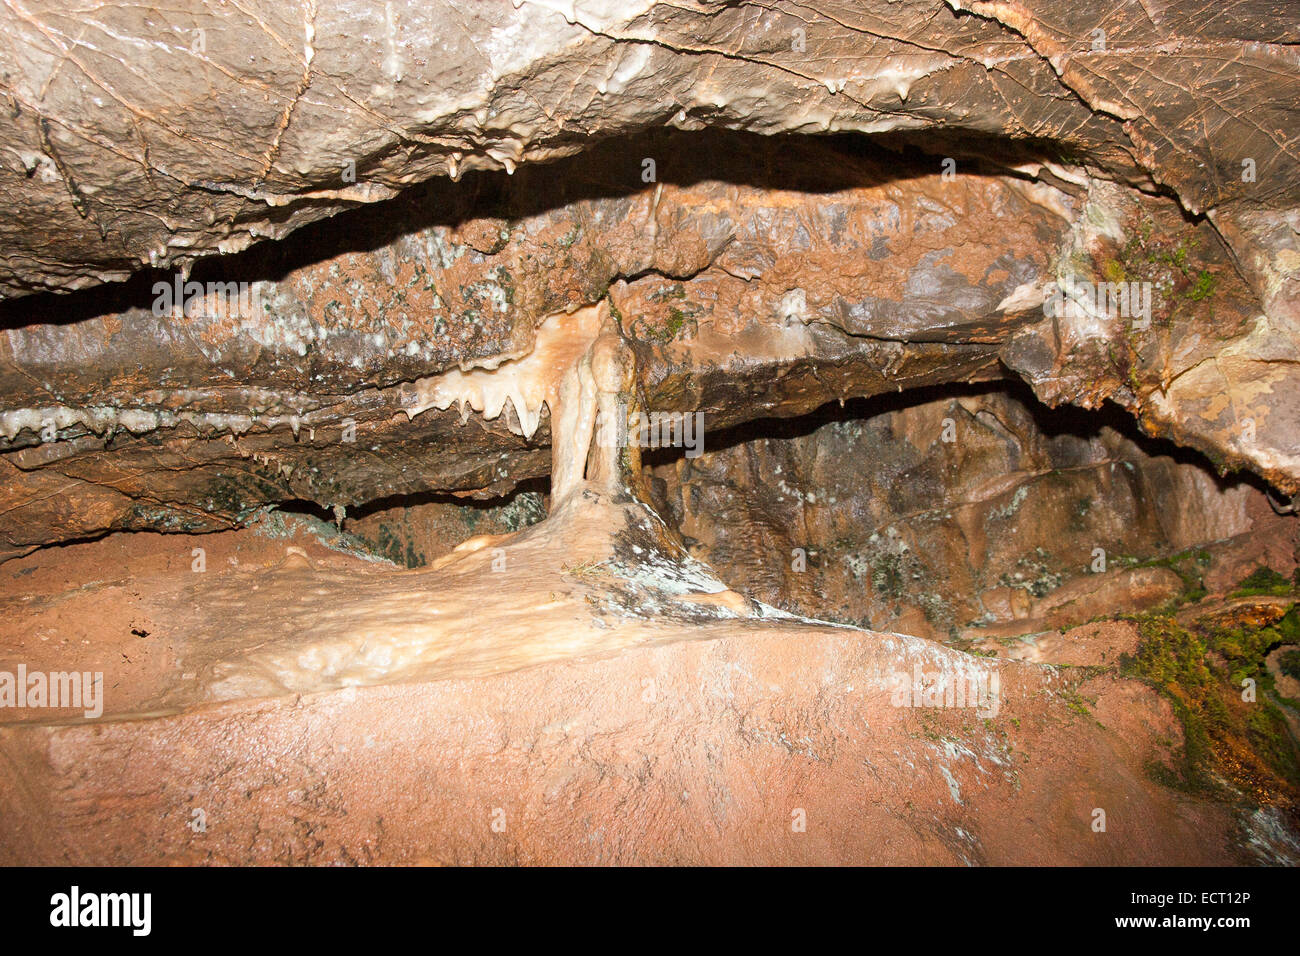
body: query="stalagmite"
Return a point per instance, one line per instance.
(585, 452)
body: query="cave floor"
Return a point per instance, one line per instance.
(318, 707)
(265, 619)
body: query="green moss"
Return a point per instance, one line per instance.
(526, 508)
(1263, 581)
(570, 237)
(888, 577)
(1168, 261)
(1172, 660)
(1225, 738)
(1188, 565)
(164, 519)
(678, 318)
(1178, 258)
(1289, 664)
(1034, 574)
(674, 291)
(1076, 702)
(1203, 287)
(398, 548)
(1114, 271)
(239, 495)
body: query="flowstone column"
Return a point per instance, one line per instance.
(589, 447)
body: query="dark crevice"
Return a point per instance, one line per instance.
(609, 169)
(540, 486)
(1064, 420)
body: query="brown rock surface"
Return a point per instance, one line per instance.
(755, 274)
(333, 306)
(622, 707)
(962, 516)
(1089, 644)
(703, 744)
(266, 106)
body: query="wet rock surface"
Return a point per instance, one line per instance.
(251, 406)
(760, 279)
(416, 774)
(698, 733)
(987, 316)
(264, 109)
(960, 516)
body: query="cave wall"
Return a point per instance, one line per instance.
(967, 517)
(759, 277)
(832, 229)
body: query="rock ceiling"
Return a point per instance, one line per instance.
(444, 179)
